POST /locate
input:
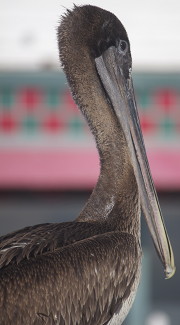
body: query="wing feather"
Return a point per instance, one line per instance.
(81, 283)
(40, 239)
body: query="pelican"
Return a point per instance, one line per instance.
(88, 271)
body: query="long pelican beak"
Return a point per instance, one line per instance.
(113, 67)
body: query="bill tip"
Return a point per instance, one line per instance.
(170, 271)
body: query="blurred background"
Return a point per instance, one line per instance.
(48, 159)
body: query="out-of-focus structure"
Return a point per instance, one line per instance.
(45, 143)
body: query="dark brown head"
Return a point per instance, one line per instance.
(89, 30)
(92, 27)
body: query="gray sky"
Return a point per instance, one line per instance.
(28, 31)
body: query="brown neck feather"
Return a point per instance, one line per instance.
(115, 198)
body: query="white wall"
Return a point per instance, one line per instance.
(28, 31)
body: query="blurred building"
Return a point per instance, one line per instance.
(45, 142)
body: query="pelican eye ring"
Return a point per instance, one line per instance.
(123, 46)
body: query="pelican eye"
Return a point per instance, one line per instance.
(123, 46)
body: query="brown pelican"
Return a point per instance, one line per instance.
(87, 271)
